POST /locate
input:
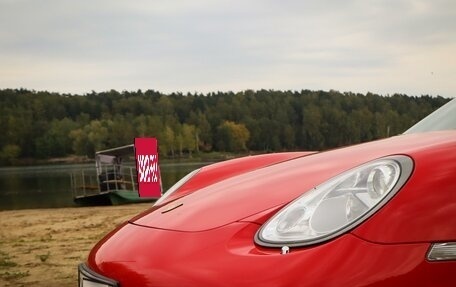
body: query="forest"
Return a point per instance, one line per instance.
(43, 125)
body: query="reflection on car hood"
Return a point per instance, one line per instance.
(251, 193)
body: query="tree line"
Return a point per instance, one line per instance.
(46, 125)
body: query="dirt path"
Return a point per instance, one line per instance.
(43, 247)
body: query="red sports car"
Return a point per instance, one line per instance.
(375, 214)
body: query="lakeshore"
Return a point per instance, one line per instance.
(43, 247)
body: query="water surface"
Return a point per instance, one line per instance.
(48, 186)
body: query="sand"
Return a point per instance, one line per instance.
(43, 247)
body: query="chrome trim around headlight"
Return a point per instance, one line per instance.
(89, 278)
(337, 205)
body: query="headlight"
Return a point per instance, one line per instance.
(88, 278)
(337, 205)
(176, 186)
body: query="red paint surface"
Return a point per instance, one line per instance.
(209, 239)
(226, 256)
(217, 172)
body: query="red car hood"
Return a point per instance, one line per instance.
(256, 195)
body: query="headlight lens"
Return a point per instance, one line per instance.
(176, 186)
(337, 205)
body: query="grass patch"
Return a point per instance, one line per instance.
(44, 257)
(5, 261)
(13, 275)
(73, 258)
(46, 238)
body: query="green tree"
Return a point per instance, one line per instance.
(233, 136)
(189, 138)
(91, 138)
(80, 142)
(56, 141)
(167, 141)
(203, 132)
(44, 124)
(312, 126)
(9, 153)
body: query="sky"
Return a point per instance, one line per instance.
(383, 47)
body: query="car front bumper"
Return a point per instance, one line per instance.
(89, 278)
(227, 256)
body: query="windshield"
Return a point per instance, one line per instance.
(443, 118)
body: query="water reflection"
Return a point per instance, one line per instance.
(49, 186)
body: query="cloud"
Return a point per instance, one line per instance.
(79, 46)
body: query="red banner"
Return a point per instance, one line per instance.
(146, 156)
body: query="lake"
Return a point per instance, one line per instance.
(48, 186)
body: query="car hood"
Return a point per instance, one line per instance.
(256, 195)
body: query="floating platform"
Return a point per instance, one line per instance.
(110, 182)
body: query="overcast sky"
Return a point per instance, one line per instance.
(383, 47)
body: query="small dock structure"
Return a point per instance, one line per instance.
(113, 181)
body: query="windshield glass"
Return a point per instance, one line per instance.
(442, 119)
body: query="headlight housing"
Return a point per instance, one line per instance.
(176, 186)
(337, 205)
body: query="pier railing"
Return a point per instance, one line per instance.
(87, 182)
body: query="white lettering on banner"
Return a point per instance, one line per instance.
(147, 168)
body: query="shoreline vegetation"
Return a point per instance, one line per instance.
(41, 126)
(43, 247)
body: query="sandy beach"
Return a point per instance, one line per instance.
(43, 247)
